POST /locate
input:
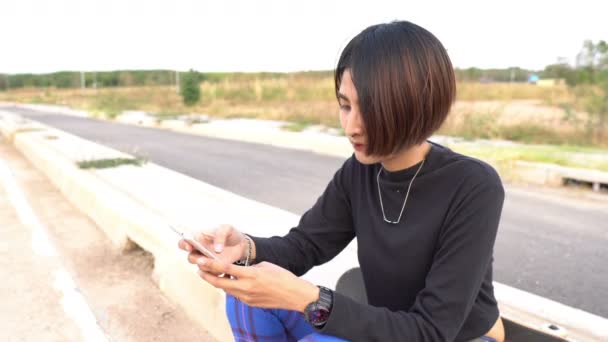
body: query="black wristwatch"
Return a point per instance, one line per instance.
(317, 312)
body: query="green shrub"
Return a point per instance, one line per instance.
(190, 89)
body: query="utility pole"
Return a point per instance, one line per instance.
(177, 81)
(82, 85)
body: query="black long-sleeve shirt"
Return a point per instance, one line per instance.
(427, 278)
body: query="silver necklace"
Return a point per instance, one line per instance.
(407, 194)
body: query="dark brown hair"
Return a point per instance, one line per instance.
(405, 83)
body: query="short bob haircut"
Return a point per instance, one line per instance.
(405, 84)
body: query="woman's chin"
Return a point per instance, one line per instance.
(365, 158)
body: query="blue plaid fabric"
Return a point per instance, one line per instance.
(251, 324)
(487, 338)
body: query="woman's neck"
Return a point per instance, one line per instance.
(406, 158)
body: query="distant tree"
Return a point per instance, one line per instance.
(513, 74)
(472, 74)
(588, 80)
(4, 82)
(591, 85)
(125, 78)
(561, 70)
(189, 88)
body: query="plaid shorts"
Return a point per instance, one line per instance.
(251, 324)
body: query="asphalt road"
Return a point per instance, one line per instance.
(549, 243)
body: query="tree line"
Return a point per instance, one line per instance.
(127, 78)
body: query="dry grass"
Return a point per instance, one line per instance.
(510, 111)
(529, 121)
(511, 91)
(571, 156)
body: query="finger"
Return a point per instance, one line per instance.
(205, 237)
(201, 262)
(183, 244)
(224, 283)
(194, 256)
(218, 267)
(202, 269)
(221, 235)
(205, 241)
(241, 296)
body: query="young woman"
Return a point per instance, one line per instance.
(425, 217)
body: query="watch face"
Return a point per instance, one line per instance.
(318, 314)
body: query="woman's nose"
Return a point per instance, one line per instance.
(353, 124)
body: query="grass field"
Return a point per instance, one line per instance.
(570, 156)
(518, 112)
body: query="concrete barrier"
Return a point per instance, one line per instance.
(550, 317)
(556, 175)
(536, 173)
(136, 204)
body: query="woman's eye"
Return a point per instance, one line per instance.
(345, 107)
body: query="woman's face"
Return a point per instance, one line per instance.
(351, 120)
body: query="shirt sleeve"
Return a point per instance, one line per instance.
(459, 265)
(323, 231)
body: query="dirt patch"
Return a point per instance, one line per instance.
(117, 286)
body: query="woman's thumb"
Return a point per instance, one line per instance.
(220, 237)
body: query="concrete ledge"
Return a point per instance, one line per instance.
(536, 173)
(11, 125)
(541, 313)
(555, 175)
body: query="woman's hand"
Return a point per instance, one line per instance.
(263, 285)
(228, 243)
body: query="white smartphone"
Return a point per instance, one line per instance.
(199, 246)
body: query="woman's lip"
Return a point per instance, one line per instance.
(359, 147)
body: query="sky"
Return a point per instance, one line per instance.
(46, 36)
